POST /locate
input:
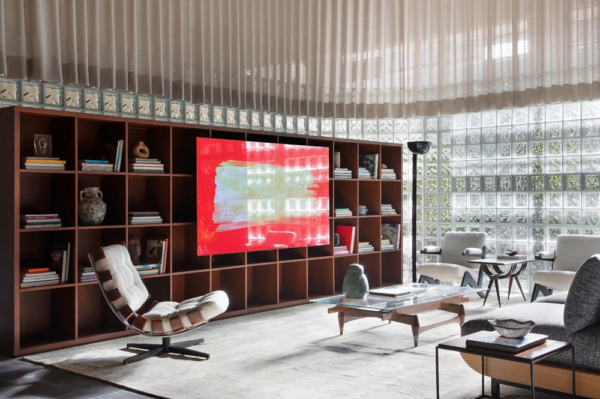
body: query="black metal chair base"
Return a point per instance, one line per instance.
(537, 289)
(179, 348)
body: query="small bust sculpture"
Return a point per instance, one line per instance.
(355, 284)
(135, 249)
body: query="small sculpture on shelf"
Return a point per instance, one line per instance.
(141, 150)
(92, 209)
(134, 247)
(355, 284)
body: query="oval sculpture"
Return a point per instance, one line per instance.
(355, 285)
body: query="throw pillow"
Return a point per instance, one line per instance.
(582, 308)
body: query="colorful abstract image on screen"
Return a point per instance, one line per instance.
(256, 196)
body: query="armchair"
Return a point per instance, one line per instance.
(453, 265)
(571, 252)
(128, 298)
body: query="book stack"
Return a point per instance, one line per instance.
(144, 218)
(146, 165)
(386, 209)
(388, 174)
(156, 253)
(41, 163)
(96, 165)
(342, 212)
(391, 232)
(35, 277)
(386, 244)
(365, 246)
(41, 221)
(60, 256)
(148, 270)
(87, 274)
(363, 173)
(342, 173)
(340, 250)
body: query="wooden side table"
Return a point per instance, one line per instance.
(492, 268)
(529, 356)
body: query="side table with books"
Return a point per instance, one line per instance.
(531, 349)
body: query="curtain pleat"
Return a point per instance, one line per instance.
(328, 58)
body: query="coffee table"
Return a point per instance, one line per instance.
(404, 309)
(492, 267)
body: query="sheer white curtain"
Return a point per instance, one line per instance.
(343, 58)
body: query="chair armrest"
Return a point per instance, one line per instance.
(547, 256)
(431, 250)
(475, 252)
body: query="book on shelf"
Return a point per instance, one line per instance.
(340, 250)
(119, 156)
(370, 162)
(146, 219)
(43, 163)
(33, 270)
(140, 214)
(363, 173)
(391, 232)
(96, 166)
(87, 274)
(43, 226)
(148, 269)
(156, 252)
(386, 209)
(343, 212)
(346, 234)
(61, 255)
(146, 165)
(493, 340)
(98, 161)
(388, 174)
(386, 244)
(342, 173)
(365, 246)
(34, 277)
(41, 221)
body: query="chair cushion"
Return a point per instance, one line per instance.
(121, 282)
(445, 271)
(456, 242)
(582, 308)
(573, 250)
(172, 317)
(553, 279)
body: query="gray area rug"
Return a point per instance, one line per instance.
(291, 353)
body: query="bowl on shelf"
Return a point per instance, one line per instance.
(511, 328)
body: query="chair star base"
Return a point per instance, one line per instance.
(179, 348)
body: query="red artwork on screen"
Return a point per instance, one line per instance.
(256, 196)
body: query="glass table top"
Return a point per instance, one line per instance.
(386, 303)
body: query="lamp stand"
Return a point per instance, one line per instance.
(414, 220)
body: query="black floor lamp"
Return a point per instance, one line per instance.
(417, 148)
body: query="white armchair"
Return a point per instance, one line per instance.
(453, 264)
(571, 252)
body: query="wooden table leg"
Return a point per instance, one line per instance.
(519, 284)
(497, 292)
(341, 320)
(487, 293)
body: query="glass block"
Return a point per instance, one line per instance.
(489, 135)
(537, 200)
(341, 126)
(572, 129)
(504, 167)
(73, 98)
(491, 233)
(474, 200)
(313, 125)
(445, 199)
(9, 90)
(416, 125)
(431, 124)
(537, 234)
(128, 104)
(31, 93)
(474, 136)
(591, 218)
(590, 164)
(489, 183)
(474, 152)
(370, 125)
(268, 120)
(554, 112)
(537, 183)
(554, 130)
(520, 132)
(520, 183)
(370, 136)
(460, 215)
(460, 153)
(92, 100)
(474, 168)
(431, 230)
(554, 182)
(489, 216)
(536, 165)
(383, 137)
(474, 216)
(572, 111)
(110, 102)
(537, 216)
(504, 150)
(536, 132)
(537, 148)
(460, 184)
(445, 185)
(474, 120)
(504, 200)
(191, 112)
(573, 200)
(431, 200)
(53, 95)
(591, 146)
(445, 122)
(554, 147)
(161, 108)
(431, 169)
(245, 118)
(459, 137)
(204, 112)
(521, 233)
(488, 151)
(536, 114)
(489, 200)
(590, 109)
(399, 138)
(505, 233)
(431, 156)
(520, 200)
(145, 106)
(573, 182)
(572, 231)
(519, 115)
(554, 217)
(504, 117)
(488, 167)
(591, 200)
(218, 115)
(591, 182)
(356, 126)
(445, 154)
(488, 118)
(279, 122)
(505, 216)
(553, 233)
(400, 125)
(503, 134)
(474, 183)
(519, 149)
(459, 121)
(445, 216)
(554, 200)
(445, 139)
(301, 124)
(459, 169)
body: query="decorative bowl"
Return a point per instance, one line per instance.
(512, 328)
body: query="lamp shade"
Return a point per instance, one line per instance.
(419, 147)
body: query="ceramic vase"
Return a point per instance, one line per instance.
(141, 150)
(355, 285)
(92, 209)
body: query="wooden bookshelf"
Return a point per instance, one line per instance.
(45, 318)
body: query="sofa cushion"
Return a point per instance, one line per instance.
(556, 298)
(582, 308)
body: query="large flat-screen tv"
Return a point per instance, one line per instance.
(257, 196)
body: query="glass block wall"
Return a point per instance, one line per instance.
(523, 175)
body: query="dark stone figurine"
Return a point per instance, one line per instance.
(355, 285)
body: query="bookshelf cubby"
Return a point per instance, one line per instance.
(50, 317)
